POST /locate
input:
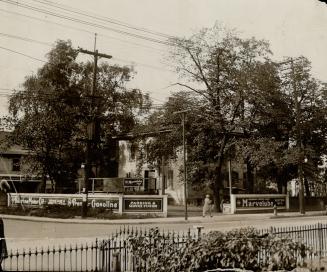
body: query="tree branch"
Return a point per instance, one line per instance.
(194, 90)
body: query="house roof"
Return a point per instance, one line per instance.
(7, 149)
(130, 136)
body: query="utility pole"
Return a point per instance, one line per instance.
(183, 112)
(298, 140)
(91, 125)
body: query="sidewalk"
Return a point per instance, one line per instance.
(172, 219)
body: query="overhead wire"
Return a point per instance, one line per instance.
(40, 10)
(47, 96)
(23, 54)
(24, 39)
(102, 18)
(49, 44)
(44, 43)
(80, 29)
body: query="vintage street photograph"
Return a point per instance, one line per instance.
(163, 135)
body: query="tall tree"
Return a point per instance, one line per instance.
(49, 114)
(220, 69)
(273, 147)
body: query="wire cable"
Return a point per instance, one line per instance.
(40, 10)
(101, 18)
(119, 59)
(20, 53)
(24, 39)
(80, 29)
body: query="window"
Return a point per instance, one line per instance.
(171, 179)
(133, 150)
(16, 164)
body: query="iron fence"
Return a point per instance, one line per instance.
(313, 236)
(107, 254)
(114, 253)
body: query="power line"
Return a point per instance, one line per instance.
(45, 95)
(24, 39)
(143, 64)
(80, 29)
(49, 44)
(40, 10)
(20, 53)
(101, 18)
(5, 89)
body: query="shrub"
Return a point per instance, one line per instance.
(238, 248)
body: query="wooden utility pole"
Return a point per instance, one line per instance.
(91, 137)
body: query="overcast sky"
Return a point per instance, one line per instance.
(293, 28)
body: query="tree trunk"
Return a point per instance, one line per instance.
(218, 182)
(249, 177)
(279, 180)
(217, 185)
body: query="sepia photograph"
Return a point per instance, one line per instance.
(163, 135)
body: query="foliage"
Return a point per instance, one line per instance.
(50, 114)
(239, 101)
(238, 248)
(219, 73)
(278, 144)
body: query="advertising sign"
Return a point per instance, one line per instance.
(258, 202)
(143, 204)
(69, 201)
(133, 182)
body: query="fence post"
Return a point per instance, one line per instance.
(199, 228)
(320, 237)
(116, 262)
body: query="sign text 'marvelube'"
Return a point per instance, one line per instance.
(260, 202)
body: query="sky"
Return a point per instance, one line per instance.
(293, 28)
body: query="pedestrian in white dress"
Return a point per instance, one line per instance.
(207, 207)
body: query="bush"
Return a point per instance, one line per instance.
(238, 248)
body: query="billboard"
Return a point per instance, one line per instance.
(31, 200)
(133, 182)
(143, 204)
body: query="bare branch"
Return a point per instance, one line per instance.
(194, 90)
(198, 65)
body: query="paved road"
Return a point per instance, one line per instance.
(31, 234)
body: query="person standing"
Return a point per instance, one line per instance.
(207, 206)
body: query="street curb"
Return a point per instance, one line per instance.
(298, 215)
(95, 221)
(172, 220)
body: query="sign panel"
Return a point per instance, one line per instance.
(258, 202)
(69, 201)
(143, 204)
(133, 182)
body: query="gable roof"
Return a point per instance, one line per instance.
(7, 149)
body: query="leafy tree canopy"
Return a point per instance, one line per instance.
(49, 115)
(239, 100)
